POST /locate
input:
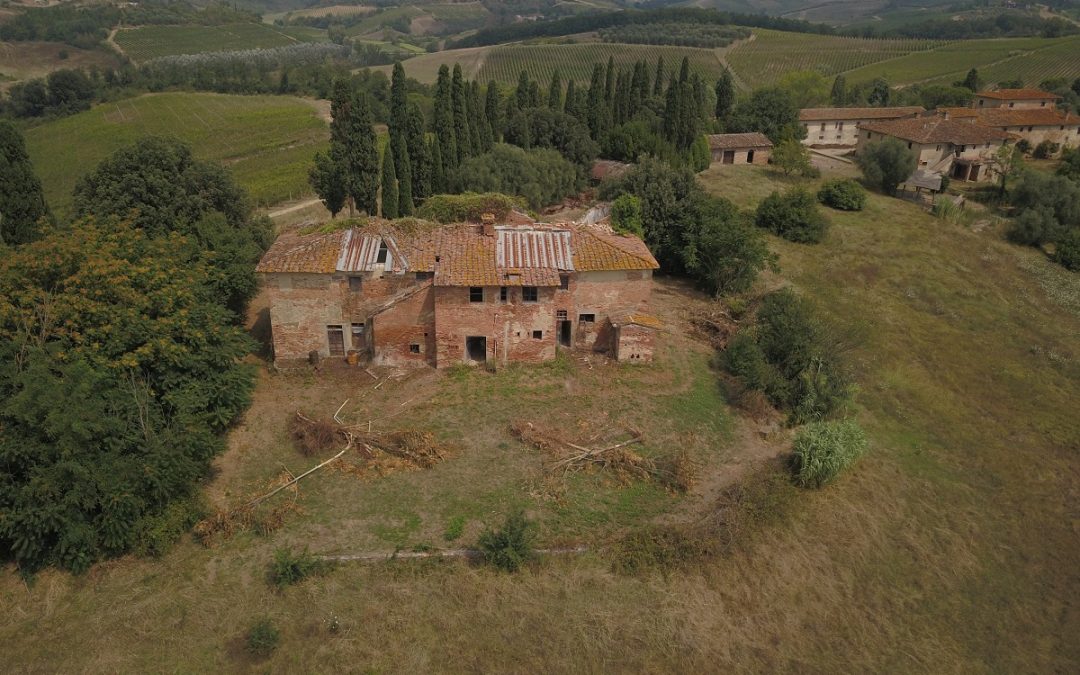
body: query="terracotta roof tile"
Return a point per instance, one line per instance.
(315, 253)
(937, 129)
(1017, 94)
(826, 114)
(734, 141)
(636, 318)
(1020, 117)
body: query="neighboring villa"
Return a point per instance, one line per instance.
(441, 295)
(1014, 98)
(839, 127)
(751, 148)
(944, 146)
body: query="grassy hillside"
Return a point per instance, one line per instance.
(24, 60)
(149, 42)
(951, 547)
(266, 141)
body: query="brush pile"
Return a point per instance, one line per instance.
(714, 324)
(223, 523)
(379, 452)
(602, 451)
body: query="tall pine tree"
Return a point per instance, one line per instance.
(444, 121)
(461, 117)
(597, 111)
(22, 201)
(353, 147)
(438, 169)
(493, 111)
(555, 92)
(658, 84)
(403, 168)
(521, 93)
(419, 159)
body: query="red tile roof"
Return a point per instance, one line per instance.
(1017, 94)
(826, 114)
(737, 141)
(461, 255)
(937, 129)
(1023, 117)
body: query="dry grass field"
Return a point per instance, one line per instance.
(950, 547)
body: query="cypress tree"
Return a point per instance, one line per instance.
(725, 94)
(492, 112)
(353, 146)
(438, 169)
(22, 200)
(403, 168)
(555, 92)
(419, 158)
(389, 185)
(570, 105)
(444, 120)
(684, 70)
(658, 84)
(639, 86)
(398, 109)
(596, 104)
(672, 117)
(535, 99)
(839, 91)
(609, 81)
(521, 94)
(461, 117)
(622, 97)
(478, 126)
(329, 183)
(972, 80)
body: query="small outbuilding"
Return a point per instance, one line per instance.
(633, 336)
(751, 148)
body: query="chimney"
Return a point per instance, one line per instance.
(488, 224)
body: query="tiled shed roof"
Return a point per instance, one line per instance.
(1020, 117)
(736, 141)
(313, 253)
(636, 318)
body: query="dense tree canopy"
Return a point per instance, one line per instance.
(161, 189)
(771, 111)
(887, 163)
(118, 370)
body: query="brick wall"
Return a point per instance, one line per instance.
(405, 326)
(634, 344)
(761, 156)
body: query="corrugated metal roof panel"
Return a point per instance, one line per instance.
(360, 253)
(544, 249)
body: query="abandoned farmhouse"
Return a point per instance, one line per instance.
(442, 295)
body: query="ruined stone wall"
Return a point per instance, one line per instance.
(634, 344)
(508, 326)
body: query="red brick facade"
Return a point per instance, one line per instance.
(409, 315)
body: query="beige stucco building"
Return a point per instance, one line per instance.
(1014, 99)
(839, 127)
(750, 148)
(1034, 125)
(960, 149)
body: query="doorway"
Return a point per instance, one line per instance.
(749, 156)
(564, 333)
(335, 336)
(476, 348)
(729, 157)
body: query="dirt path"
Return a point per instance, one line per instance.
(295, 207)
(111, 41)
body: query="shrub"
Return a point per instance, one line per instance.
(1067, 250)
(262, 638)
(157, 534)
(454, 528)
(510, 546)
(842, 194)
(743, 358)
(290, 568)
(824, 449)
(794, 216)
(792, 157)
(626, 215)
(1024, 146)
(1046, 150)
(468, 207)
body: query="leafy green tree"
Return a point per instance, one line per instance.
(328, 181)
(724, 253)
(700, 155)
(22, 200)
(725, 94)
(389, 186)
(843, 194)
(794, 216)
(880, 93)
(971, 82)
(838, 95)
(546, 128)
(1070, 164)
(1067, 249)
(119, 371)
(887, 163)
(597, 111)
(771, 111)
(1008, 162)
(159, 185)
(792, 157)
(542, 176)
(626, 215)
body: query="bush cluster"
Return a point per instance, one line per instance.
(789, 355)
(290, 568)
(842, 194)
(510, 546)
(468, 207)
(541, 176)
(794, 216)
(262, 638)
(822, 450)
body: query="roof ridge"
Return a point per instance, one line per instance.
(602, 237)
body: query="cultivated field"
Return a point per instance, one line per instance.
(24, 60)
(1019, 57)
(771, 54)
(950, 547)
(504, 63)
(266, 141)
(149, 42)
